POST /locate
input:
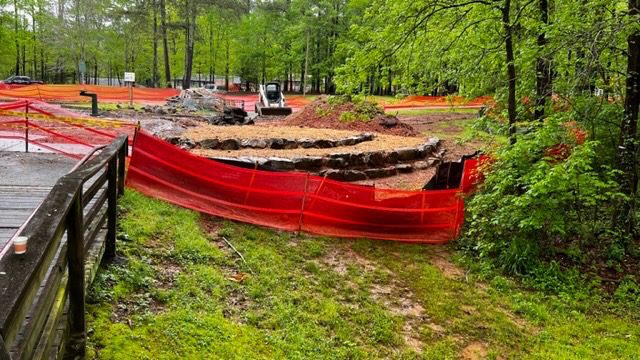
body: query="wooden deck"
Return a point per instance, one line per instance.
(25, 180)
(73, 226)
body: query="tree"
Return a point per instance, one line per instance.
(628, 149)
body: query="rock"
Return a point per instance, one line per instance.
(257, 144)
(375, 158)
(356, 159)
(344, 175)
(337, 162)
(380, 172)
(307, 143)
(368, 137)
(392, 157)
(404, 168)
(174, 140)
(187, 144)
(277, 143)
(228, 144)
(308, 163)
(407, 154)
(389, 121)
(290, 144)
(350, 141)
(280, 163)
(209, 143)
(421, 165)
(324, 144)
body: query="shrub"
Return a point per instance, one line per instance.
(539, 196)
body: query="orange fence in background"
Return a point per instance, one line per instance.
(296, 201)
(415, 101)
(72, 93)
(43, 127)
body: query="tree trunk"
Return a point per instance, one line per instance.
(511, 69)
(306, 67)
(544, 80)
(154, 76)
(165, 42)
(190, 43)
(15, 22)
(628, 137)
(226, 64)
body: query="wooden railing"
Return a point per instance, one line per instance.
(42, 292)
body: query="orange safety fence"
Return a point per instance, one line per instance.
(72, 93)
(415, 101)
(296, 201)
(48, 128)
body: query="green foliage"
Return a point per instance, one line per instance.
(317, 298)
(533, 201)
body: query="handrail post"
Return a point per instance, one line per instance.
(75, 256)
(122, 153)
(112, 198)
(26, 128)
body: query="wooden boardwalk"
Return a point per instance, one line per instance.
(25, 180)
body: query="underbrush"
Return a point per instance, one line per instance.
(179, 291)
(544, 214)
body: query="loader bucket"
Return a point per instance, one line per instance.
(274, 111)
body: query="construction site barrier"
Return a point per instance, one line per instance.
(51, 128)
(296, 201)
(72, 93)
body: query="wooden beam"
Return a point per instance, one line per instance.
(75, 256)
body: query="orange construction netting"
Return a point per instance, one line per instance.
(72, 93)
(40, 127)
(296, 201)
(415, 101)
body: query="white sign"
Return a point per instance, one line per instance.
(130, 77)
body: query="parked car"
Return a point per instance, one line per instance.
(20, 80)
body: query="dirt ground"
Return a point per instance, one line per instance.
(269, 130)
(449, 127)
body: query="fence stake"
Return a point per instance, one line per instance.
(75, 256)
(304, 201)
(112, 216)
(26, 128)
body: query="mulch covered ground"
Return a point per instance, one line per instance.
(321, 114)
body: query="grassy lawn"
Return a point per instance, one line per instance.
(181, 292)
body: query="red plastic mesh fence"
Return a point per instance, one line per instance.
(51, 128)
(295, 201)
(72, 93)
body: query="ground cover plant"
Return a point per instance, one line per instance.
(179, 290)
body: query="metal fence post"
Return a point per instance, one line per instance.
(26, 128)
(75, 256)
(112, 207)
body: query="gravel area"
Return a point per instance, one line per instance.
(263, 131)
(380, 142)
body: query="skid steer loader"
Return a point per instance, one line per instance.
(271, 101)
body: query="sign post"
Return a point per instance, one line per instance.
(82, 68)
(130, 79)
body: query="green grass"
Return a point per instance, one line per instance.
(183, 293)
(103, 106)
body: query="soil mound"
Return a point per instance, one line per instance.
(343, 113)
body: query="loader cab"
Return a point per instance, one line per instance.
(272, 91)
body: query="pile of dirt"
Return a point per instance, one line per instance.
(324, 113)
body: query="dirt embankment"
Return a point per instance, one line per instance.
(347, 115)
